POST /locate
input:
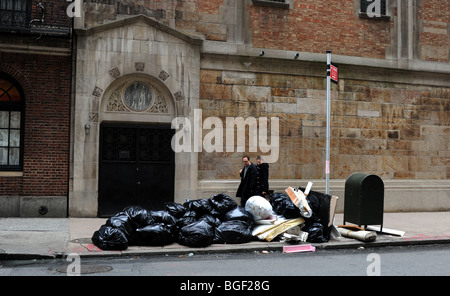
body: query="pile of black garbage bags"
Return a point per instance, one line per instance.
(199, 223)
(318, 225)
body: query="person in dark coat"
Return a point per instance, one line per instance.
(262, 177)
(247, 187)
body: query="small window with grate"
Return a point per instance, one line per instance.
(11, 124)
(376, 9)
(15, 13)
(272, 3)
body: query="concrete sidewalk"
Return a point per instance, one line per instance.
(34, 238)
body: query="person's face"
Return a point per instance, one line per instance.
(258, 161)
(245, 161)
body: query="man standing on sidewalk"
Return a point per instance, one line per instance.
(262, 177)
(247, 188)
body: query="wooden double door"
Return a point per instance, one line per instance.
(136, 167)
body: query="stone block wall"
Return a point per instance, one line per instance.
(395, 130)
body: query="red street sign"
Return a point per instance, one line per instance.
(334, 73)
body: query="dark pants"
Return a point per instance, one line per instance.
(244, 200)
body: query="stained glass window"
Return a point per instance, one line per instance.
(138, 96)
(11, 124)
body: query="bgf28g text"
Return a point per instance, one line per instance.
(226, 286)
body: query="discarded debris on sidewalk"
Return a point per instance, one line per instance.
(299, 248)
(280, 226)
(219, 220)
(311, 212)
(357, 233)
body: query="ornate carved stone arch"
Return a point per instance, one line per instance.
(110, 86)
(105, 103)
(157, 105)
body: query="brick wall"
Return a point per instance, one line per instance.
(315, 26)
(55, 14)
(434, 38)
(10, 186)
(307, 26)
(46, 81)
(397, 131)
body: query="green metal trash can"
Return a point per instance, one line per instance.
(364, 200)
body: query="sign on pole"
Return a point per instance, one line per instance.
(334, 73)
(327, 161)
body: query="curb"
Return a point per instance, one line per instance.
(270, 247)
(88, 252)
(18, 256)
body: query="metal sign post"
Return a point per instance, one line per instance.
(332, 76)
(327, 161)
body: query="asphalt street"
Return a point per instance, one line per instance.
(429, 260)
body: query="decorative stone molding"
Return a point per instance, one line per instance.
(163, 75)
(139, 66)
(178, 96)
(116, 101)
(97, 92)
(114, 72)
(93, 117)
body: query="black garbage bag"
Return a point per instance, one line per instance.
(161, 216)
(175, 209)
(197, 234)
(238, 213)
(233, 232)
(320, 205)
(313, 203)
(282, 205)
(200, 206)
(110, 238)
(157, 234)
(137, 214)
(215, 212)
(123, 222)
(315, 233)
(189, 217)
(214, 221)
(222, 203)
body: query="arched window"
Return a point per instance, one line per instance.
(11, 124)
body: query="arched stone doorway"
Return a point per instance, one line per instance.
(115, 60)
(125, 142)
(136, 162)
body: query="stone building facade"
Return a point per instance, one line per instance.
(390, 109)
(140, 68)
(110, 59)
